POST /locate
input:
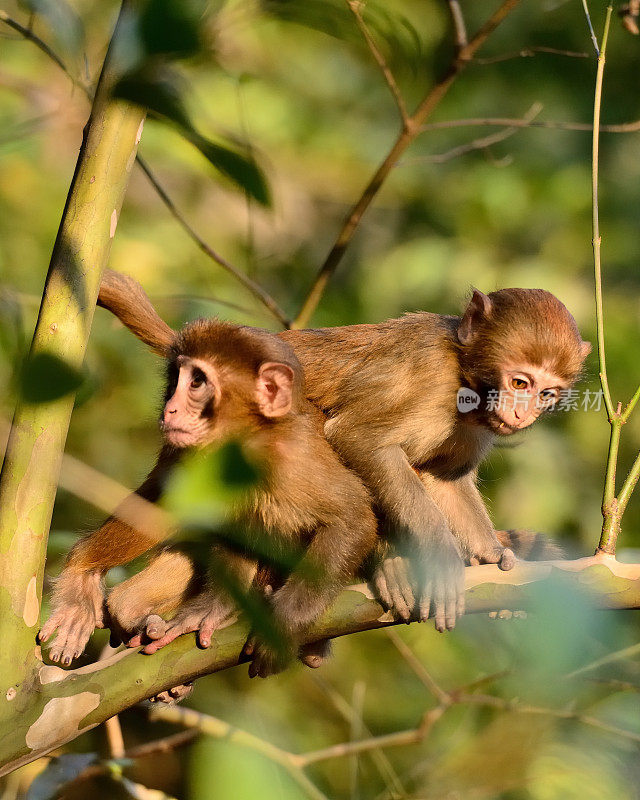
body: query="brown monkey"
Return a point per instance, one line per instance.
(395, 396)
(226, 381)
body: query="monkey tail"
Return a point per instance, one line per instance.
(530, 545)
(126, 299)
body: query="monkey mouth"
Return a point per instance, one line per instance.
(501, 427)
(178, 437)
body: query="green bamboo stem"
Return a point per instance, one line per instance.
(596, 238)
(631, 405)
(628, 486)
(29, 475)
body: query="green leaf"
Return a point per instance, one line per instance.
(238, 167)
(46, 377)
(393, 32)
(160, 90)
(59, 771)
(171, 27)
(202, 487)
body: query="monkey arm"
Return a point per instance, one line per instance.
(77, 602)
(463, 507)
(419, 526)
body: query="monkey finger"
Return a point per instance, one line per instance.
(400, 568)
(170, 636)
(135, 641)
(382, 590)
(451, 607)
(507, 560)
(249, 647)
(315, 654)
(398, 603)
(460, 605)
(439, 610)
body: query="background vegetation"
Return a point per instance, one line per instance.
(310, 101)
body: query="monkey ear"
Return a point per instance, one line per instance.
(274, 389)
(479, 308)
(585, 349)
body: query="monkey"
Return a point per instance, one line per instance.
(225, 381)
(391, 394)
(394, 399)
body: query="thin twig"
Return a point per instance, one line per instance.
(253, 287)
(404, 139)
(458, 23)
(220, 729)
(556, 713)
(592, 33)
(379, 757)
(530, 52)
(112, 726)
(610, 658)
(27, 33)
(596, 239)
(477, 144)
(418, 667)
(356, 9)
(164, 745)
(500, 122)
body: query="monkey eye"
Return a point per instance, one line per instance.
(519, 383)
(549, 395)
(198, 379)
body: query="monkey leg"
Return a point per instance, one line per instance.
(308, 592)
(137, 606)
(212, 609)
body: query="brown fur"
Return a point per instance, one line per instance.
(388, 392)
(305, 496)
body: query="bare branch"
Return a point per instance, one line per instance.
(530, 52)
(404, 139)
(458, 23)
(256, 290)
(592, 33)
(500, 122)
(356, 8)
(477, 144)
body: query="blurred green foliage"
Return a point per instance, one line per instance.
(294, 86)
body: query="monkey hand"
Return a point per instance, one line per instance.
(78, 609)
(434, 575)
(205, 614)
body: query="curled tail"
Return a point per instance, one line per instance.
(126, 299)
(530, 545)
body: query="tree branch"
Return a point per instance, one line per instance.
(79, 699)
(408, 133)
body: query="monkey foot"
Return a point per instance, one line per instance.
(173, 696)
(74, 627)
(315, 654)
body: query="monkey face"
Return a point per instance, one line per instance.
(524, 393)
(193, 392)
(207, 402)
